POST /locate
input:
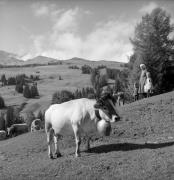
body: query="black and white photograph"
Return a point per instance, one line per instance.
(86, 89)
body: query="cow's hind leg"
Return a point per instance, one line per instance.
(57, 152)
(50, 135)
(77, 139)
(87, 143)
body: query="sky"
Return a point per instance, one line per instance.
(63, 29)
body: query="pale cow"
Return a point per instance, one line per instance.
(77, 117)
(36, 125)
(17, 129)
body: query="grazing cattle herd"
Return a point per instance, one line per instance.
(78, 117)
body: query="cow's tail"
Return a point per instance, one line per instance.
(48, 128)
(48, 124)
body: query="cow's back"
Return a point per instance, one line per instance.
(61, 117)
(20, 128)
(58, 117)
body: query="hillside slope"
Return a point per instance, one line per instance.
(9, 59)
(140, 147)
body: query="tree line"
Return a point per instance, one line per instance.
(21, 83)
(153, 45)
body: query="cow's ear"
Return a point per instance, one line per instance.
(98, 104)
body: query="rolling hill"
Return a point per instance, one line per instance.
(140, 147)
(40, 60)
(9, 59)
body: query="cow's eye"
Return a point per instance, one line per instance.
(105, 108)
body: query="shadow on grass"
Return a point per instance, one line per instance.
(128, 147)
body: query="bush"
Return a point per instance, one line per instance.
(2, 122)
(62, 96)
(91, 96)
(3, 79)
(29, 118)
(98, 81)
(19, 88)
(10, 116)
(40, 115)
(86, 69)
(2, 104)
(20, 79)
(11, 81)
(34, 91)
(73, 67)
(60, 78)
(84, 93)
(101, 67)
(26, 92)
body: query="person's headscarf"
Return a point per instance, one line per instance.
(142, 65)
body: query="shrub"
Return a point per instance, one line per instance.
(73, 67)
(86, 69)
(11, 81)
(2, 122)
(2, 104)
(26, 92)
(3, 79)
(19, 88)
(62, 96)
(20, 79)
(60, 78)
(10, 116)
(40, 115)
(34, 91)
(29, 118)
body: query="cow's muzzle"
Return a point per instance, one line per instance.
(115, 118)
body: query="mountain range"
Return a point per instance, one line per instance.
(10, 59)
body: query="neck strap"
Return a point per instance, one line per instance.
(97, 114)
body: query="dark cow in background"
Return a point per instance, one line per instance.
(17, 129)
(3, 134)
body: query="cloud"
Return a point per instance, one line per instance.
(108, 40)
(67, 20)
(148, 7)
(40, 9)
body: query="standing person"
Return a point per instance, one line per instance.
(142, 80)
(135, 93)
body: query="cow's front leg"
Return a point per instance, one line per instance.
(57, 152)
(77, 139)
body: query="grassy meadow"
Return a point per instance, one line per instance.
(49, 82)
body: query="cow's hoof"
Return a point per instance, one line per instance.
(50, 156)
(58, 155)
(78, 155)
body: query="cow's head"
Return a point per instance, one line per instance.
(10, 131)
(108, 111)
